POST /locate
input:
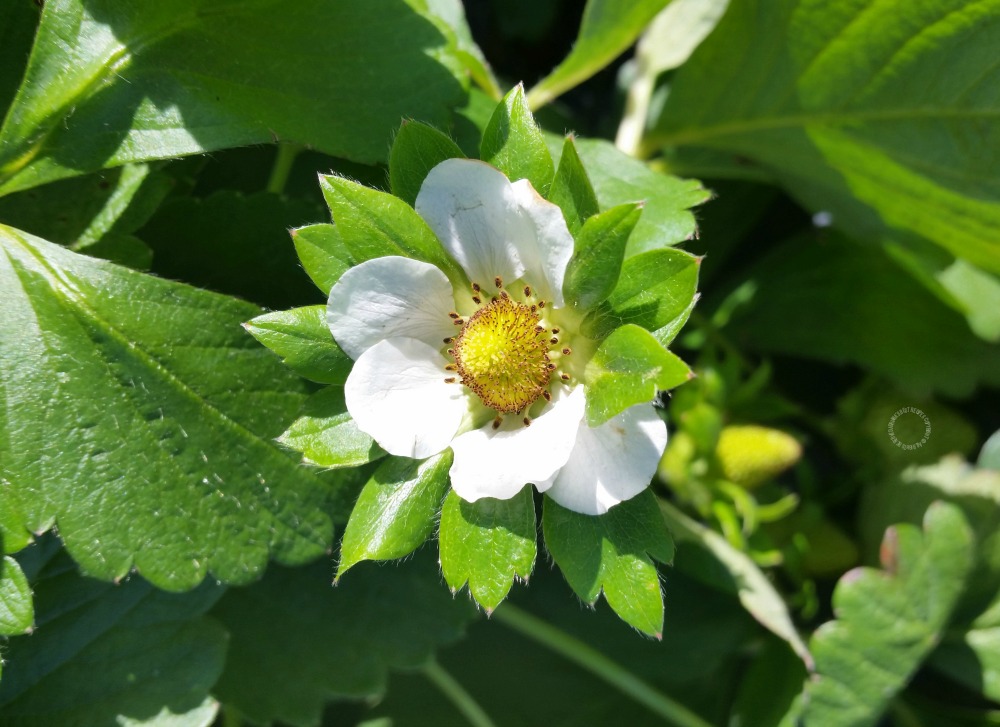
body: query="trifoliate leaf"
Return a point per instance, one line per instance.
(326, 435)
(302, 338)
(593, 271)
(487, 544)
(889, 621)
(513, 143)
(613, 553)
(16, 610)
(416, 150)
(296, 641)
(139, 417)
(323, 254)
(571, 188)
(396, 511)
(113, 654)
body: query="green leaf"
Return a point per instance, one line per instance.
(889, 621)
(323, 254)
(17, 613)
(922, 346)
(822, 95)
(487, 544)
(396, 511)
(14, 532)
(108, 85)
(326, 435)
(296, 641)
(618, 179)
(656, 290)
(233, 243)
(628, 368)
(155, 412)
(571, 188)
(513, 143)
(608, 28)
(303, 340)
(113, 654)
(374, 224)
(706, 555)
(452, 13)
(416, 150)
(613, 553)
(593, 272)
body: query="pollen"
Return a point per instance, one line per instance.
(502, 354)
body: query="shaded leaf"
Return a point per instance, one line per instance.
(416, 150)
(487, 544)
(513, 143)
(613, 554)
(326, 435)
(163, 410)
(17, 612)
(302, 338)
(593, 272)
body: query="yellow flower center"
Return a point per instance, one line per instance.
(502, 354)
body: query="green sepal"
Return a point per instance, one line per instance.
(396, 511)
(593, 272)
(487, 544)
(326, 435)
(613, 553)
(375, 224)
(416, 150)
(655, 290)
(571, 188)
(17, 612)
(322, 253)
(513, 143)
(628, 368)
(303, 340)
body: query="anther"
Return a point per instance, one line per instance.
(450, 380)
(527, 422)
(527, 291)
(551, 366)
(498, 281)
(476, 299)
(567, 351)
(458, 322)
(451, 352)
(555, 331)
(553, 340)
(475, 287)
(449, 340)
(503, 294)
(547, 396)
(451, 367)
(454, 316)
(534, 309)
(541, 304)
(496, 422)
(539, 329)
(564, 377)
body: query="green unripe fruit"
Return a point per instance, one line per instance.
(750, 455)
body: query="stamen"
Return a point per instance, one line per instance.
(527, 291)
(547, 396)
(475, 287)
(553, 340)
(551, 366)
(498, 281)
(555, 331)
(454, 316)
(539, 329)
(541, 304)
(497, 422)
(567, 351)
(564, 377)
(450, 380)
(527, 422)
(476, 299)
(458, 322)
(449, 340)
(451, 367)
(503, 294)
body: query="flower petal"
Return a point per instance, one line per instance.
(499, 463)
(397, 394)
(388, 297)
(547, 251)
(473, 210)
(611, 463)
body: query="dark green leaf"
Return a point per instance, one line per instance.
(613, 553)
(303, 340)
(17, 613)
(416, 150)
(513, 143)
(154, 411)
(571, 188)
(487, 544)
(113, 654)
(396, 511)
(323, 254)
(821, 94)
(109, 84)
(451, 15)
(608, 28)
(296, 641)
(889, 621)
(628, 368)
(656, 290)
(593, 272)
(326, 435)
(375, 224)
(18, 21)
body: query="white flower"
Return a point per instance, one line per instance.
(489, 370)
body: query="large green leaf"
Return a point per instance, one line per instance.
(108, 654)
(613, 554)
(297, 642)
(109, 83)
(889, 621)
(16, 609)
(882, 113)
(608, 28)
(138, 415)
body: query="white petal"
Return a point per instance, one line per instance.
(389, 297)
(547, 251)
(397, 394)
(474, 211)
(611, 463)
(499, 463)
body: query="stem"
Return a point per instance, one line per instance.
(597, 664)
(282, 167)
(457, 695)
